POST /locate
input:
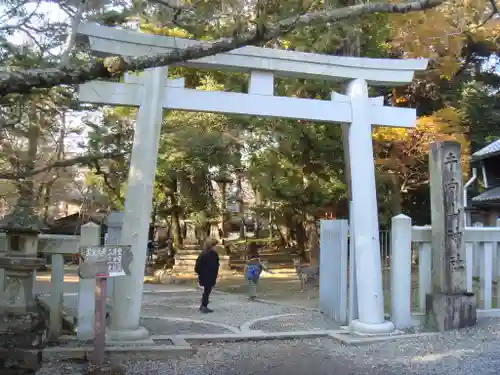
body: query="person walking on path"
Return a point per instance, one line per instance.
(150, 251)
(207, 269)
(254, 268)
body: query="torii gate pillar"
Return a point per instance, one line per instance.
(365, 216)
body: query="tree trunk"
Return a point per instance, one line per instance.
(258, 219)
(26, 187)
(301, 238)
(176, 219)
(241, 206)
(45, 199)
(396, 195)
(312, 238)
(176, 229)
(223, 187)
(151, 232)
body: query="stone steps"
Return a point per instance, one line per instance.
(193, 253)
(193, 257)
(271, 265)
(222, 258)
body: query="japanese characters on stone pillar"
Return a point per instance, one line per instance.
(449, 306)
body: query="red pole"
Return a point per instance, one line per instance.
(100, 321)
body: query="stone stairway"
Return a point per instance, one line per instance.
(185, 260)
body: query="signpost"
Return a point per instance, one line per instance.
(101, 262)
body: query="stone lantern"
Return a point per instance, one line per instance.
(214, 229)
(22, 322)
(20, 262)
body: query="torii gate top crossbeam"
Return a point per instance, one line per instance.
(382, 72)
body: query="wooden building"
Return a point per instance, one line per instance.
(484, 186)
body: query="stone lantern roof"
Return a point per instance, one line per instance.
(22, 219)
(223, 177)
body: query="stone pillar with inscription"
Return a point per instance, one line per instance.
(185, 257)
(449, 306)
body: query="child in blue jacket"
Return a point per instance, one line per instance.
(253, 269)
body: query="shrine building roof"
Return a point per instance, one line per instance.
(493, 149)
(490, 195)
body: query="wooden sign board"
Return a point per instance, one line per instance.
(105, 261)
(92, 269)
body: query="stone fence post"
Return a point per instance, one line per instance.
(476, 255)
(90, 234)
(401, 271)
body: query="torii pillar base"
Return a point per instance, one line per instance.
(371, 329)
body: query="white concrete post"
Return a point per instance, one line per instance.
(424, 273)
(365, 216)
(353, 291)
(333, 269)
(469, 265)
(56, 295)
(486, 268)
(476, 254)
(90, 234)
(401, 271)
(127, 294)
(496, 254)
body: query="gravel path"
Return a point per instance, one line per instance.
(165, 327)
(232, 310)
(305, 321)
(474, 351)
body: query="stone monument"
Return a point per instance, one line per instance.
(185, 258)
(449, 306)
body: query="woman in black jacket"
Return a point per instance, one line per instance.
(207, 268)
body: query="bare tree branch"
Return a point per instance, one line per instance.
(22, 81)
(172, 4)
(70, 40)
(112, 189)
(23, 21)
(83, 159)
(495, 11)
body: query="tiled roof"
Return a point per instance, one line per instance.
(489, 150)
(488, 196)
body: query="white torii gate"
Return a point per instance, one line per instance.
(153, 92)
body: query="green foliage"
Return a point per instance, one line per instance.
(480, 109)
(296, 168)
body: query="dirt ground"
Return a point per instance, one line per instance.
(285, 288)
(282, 289)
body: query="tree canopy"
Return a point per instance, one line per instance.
(288, 172)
